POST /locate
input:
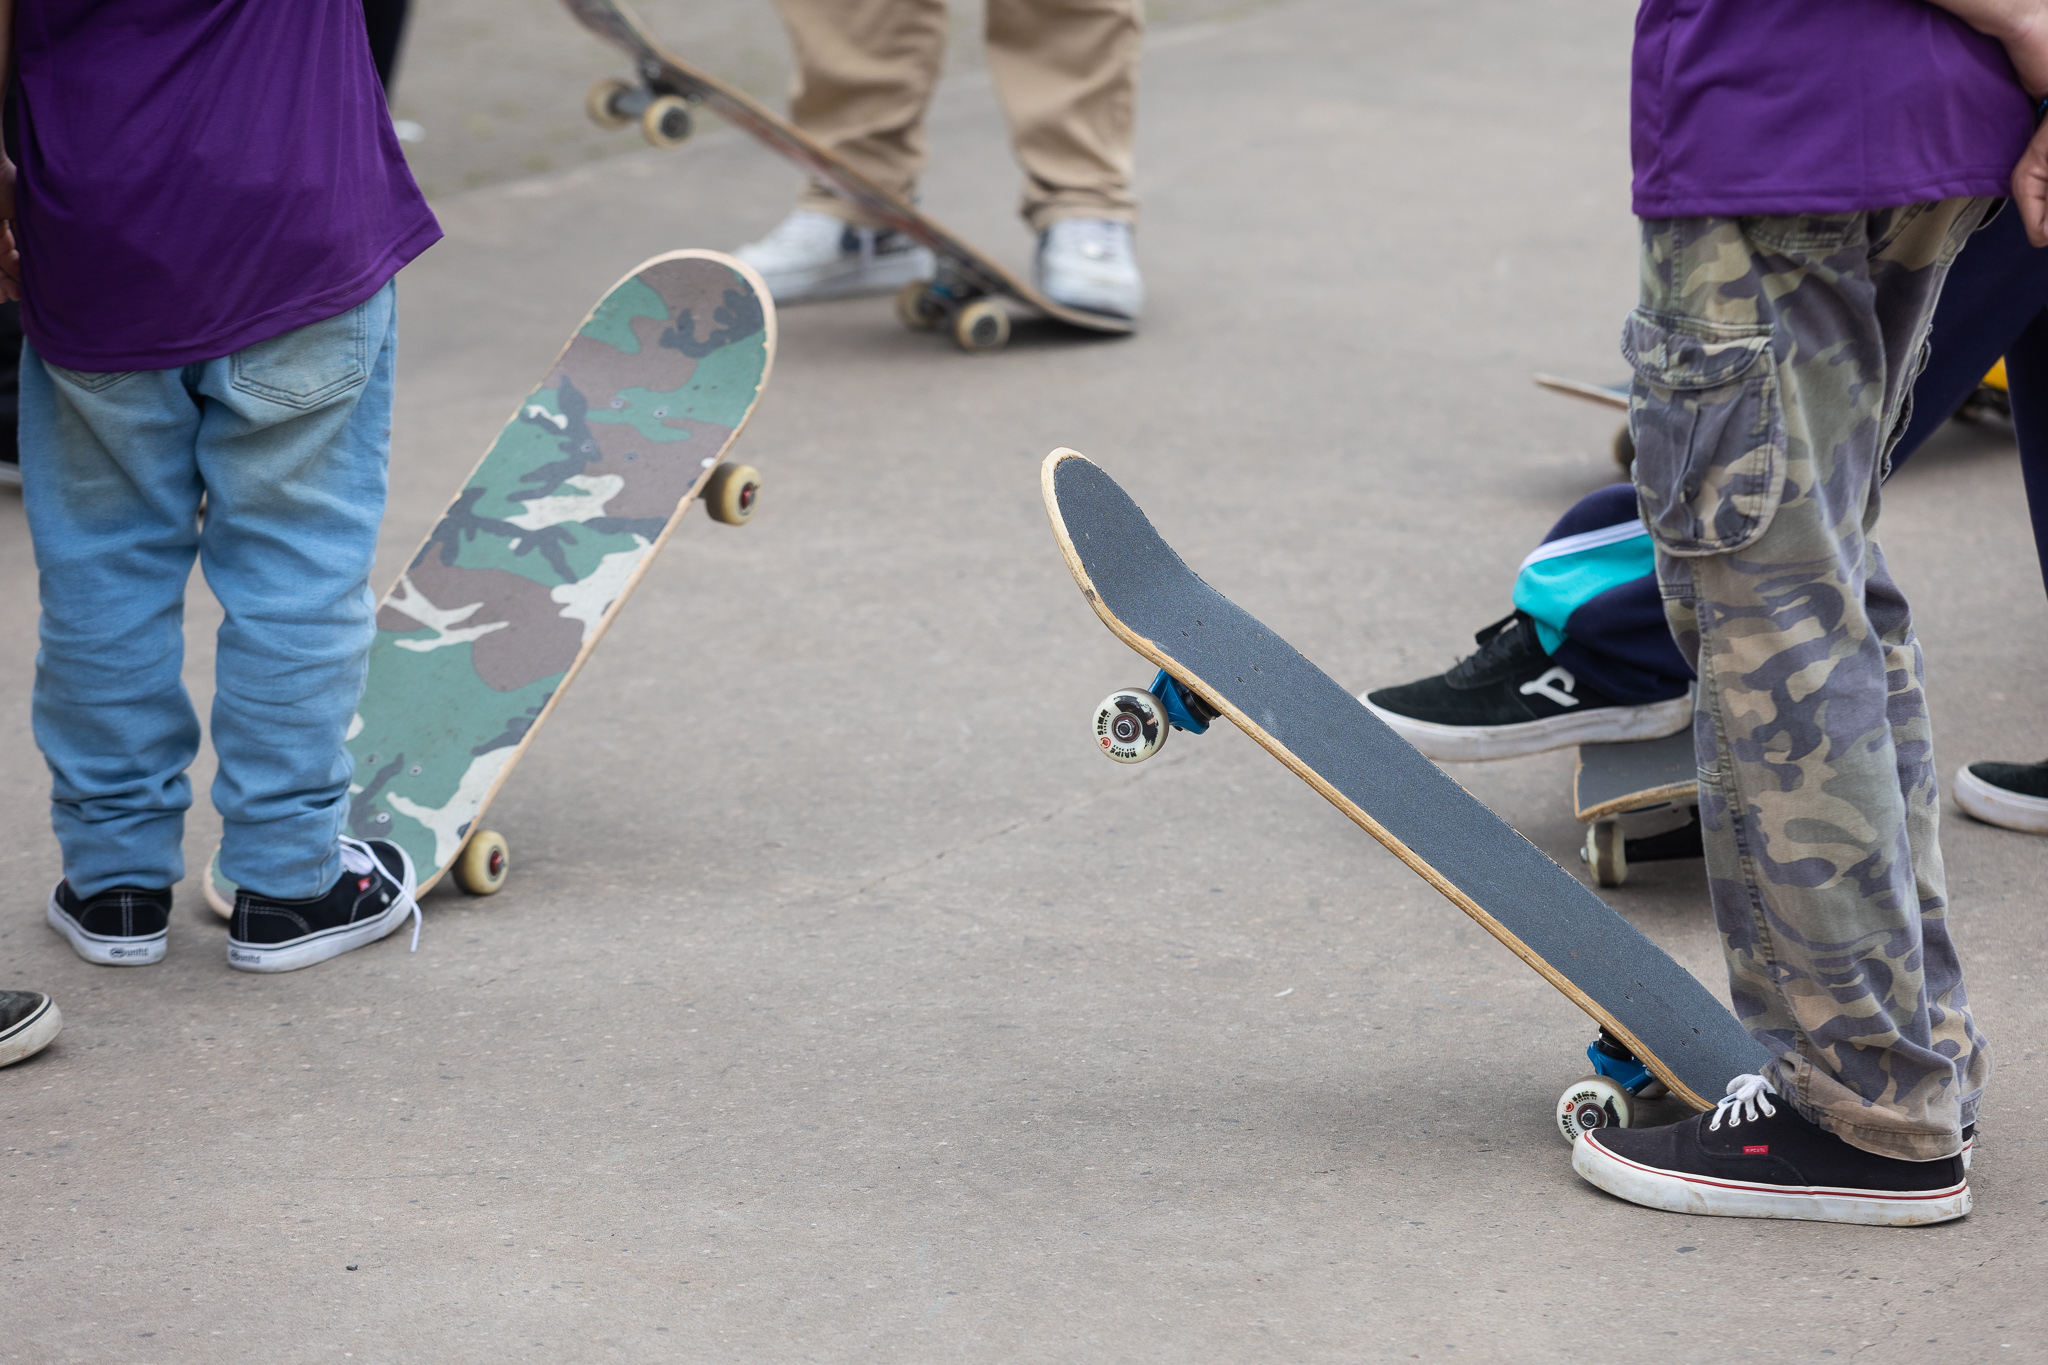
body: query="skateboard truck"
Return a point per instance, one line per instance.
(1131, 726)
(663, 115)
(958, 302)
(1607, 1098)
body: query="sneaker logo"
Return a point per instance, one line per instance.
(1763, 1149)
(363, 884)
(1556, 684)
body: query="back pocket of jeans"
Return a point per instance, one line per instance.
(309, 365)
(91, 381)
(1709, 431)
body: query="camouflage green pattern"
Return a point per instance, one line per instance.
(513, 588)
(1774, 362)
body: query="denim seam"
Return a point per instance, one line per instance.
(359, 372)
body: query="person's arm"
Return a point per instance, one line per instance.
(10, 259)
(2022, 25)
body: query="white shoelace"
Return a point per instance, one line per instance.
(1746, 1095)
(357, 858)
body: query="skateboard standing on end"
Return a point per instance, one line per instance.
(543, 543)
(1657, 1024)
(1613, 780)
(965, 298)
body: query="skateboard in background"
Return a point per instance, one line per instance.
(1658, 1026)
(1990, 402)
(1613, 780)
(1607, 396)
(965, 299)
(540, 548)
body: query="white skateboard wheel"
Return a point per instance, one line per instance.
(1606, 852)
(1593, 1102)
(1130, 726)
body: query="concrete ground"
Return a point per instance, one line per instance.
(843, 1003)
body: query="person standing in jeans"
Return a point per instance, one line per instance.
(204, 267)
(1797, 225)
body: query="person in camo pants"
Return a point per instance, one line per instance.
(1794, 242)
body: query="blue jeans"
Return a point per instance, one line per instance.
(288, 442)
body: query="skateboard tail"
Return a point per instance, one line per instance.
(1163, 561)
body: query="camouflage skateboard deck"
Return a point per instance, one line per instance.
(964, 297)
(1218, 660)
(483, 632)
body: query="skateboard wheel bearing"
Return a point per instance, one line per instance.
(981, 326)
(732, 491)
(1130, 725)
(481, 866)
(665, 122)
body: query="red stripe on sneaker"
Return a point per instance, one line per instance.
(1593, 1141)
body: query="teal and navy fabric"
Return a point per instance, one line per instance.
(1591, 588)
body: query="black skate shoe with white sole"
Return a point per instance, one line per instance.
(125, 926)
(1750, 1158)
(29, 1021)
(2013, 795)
(1511, 698)
(373, 897)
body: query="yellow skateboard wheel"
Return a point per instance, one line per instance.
(981, 326)
(732, 492)
(481, 867)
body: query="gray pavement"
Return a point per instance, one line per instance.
(843, 1003)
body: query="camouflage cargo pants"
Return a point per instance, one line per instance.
(1774, 361)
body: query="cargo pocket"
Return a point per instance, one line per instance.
(310, 365)
(1709, 432)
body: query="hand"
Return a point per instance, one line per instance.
(2030, 187)
(10, 258)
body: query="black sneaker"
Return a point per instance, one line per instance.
(2014, 795)
(373, 896)
(127, 926)
(28, 1021)
(1750, 1158)
(1511, 698)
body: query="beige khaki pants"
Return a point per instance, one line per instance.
(1066, 71)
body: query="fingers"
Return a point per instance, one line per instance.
(2030, 187)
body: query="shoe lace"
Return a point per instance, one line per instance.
(1493, 641)
(1746, 1095)
(357, 858)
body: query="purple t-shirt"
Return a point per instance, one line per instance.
(200, 175)
(1817, 106)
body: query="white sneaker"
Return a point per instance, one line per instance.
(1090, 264)
(813, 255)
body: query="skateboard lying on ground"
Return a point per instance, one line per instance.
(541, 546)
(1988, 402)
(965, 298)
(1613, 780)
(1658, 1025)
